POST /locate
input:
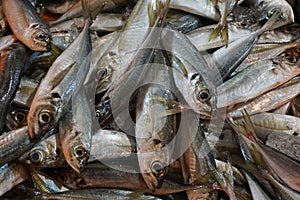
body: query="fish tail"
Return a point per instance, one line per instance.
(247, 129)
(157, 11)
(86, 10)
(270, 23)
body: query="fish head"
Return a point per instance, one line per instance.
(67, 177)
(200, 94)
(41, 118)
(40, 37)
(153, 167)
(75, 151)
(290, 58)
(287, 14)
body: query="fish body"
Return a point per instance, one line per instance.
(61, 82)
(13, 63)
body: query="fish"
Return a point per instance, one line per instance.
(85, 194)
(182, 21)
(13, 63)
(265, 75)
(58, 7)
(265, 51)
(266, 124)
(191, 71)
(59, 85)
(75, 132)
(284, 143)
(281, 167)
(154, 133)
(98, 175)
(287, 14)
(269, 100)
(283, 34)
(193, 151)
(27, 25)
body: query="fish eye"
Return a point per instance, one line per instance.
(203, 95)
(103, 73)
(157, 168)
(98, 114)
(194, 76)
(20, 117)
(45, 117)
(36, 157)
(291, 59)
(42, 36)
(80, 152)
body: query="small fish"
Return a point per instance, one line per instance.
(258, 79)
(191, 71)
(100, 194)
(182, 21)
(75, 132)
(98, 175)
(27, 25)
(13, 63)
(59, 85)
(269, 100)
(281, 167)
(266, 124)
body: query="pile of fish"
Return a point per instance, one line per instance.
(150, 99)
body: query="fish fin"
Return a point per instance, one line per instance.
(224, 34)
(247, 129)
(222, 30)
(215, 33)
(223, 180)
(270, 23)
